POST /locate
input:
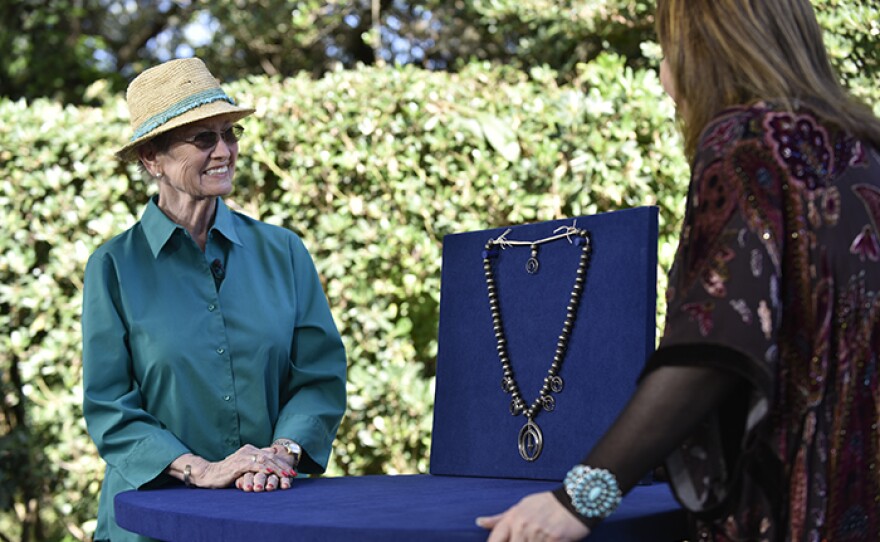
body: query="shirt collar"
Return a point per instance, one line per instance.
(224, 224)
(159, 228)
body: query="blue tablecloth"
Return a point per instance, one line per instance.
(373, 508)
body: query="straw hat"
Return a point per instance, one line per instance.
(170, 95)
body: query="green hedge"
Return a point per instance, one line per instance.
(372, 167)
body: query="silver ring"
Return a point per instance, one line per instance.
(254, 458)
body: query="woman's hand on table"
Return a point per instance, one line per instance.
(250, 468)
(538, 517)
(278, 471)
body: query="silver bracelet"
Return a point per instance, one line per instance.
(593, 492)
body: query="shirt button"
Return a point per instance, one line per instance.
(226, 398)
(211, 307)
(221, 350)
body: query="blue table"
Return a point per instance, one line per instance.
(373, 508)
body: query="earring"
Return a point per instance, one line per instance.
(158, 174)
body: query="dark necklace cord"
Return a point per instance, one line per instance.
(531, 440)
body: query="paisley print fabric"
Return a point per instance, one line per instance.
(777, 278)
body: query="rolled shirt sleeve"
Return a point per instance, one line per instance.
(129, 439)
(316, 393)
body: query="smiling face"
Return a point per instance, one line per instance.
(187, 172)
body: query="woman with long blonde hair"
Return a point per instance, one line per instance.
(763, 396)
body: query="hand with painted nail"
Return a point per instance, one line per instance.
(249, 468)
(271, 478)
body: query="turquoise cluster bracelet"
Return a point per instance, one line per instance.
(593, 492)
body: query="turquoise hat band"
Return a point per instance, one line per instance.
(181, 107)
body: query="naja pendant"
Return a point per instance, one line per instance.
(531, 441)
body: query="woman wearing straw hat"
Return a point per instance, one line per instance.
(210, 355)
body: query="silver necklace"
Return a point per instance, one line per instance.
(531, 439)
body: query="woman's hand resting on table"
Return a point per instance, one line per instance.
(538, 517)
(271, 477)
(249, 467)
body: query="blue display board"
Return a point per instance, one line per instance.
(613, 333)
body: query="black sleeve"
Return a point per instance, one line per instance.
(669, 403)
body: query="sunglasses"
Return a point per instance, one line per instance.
(208, 139)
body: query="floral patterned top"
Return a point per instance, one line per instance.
(777, 278)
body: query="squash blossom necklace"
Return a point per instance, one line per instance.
(531, 440)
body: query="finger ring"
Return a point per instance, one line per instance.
(254, 458)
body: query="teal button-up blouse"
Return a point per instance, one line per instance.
(176, 361)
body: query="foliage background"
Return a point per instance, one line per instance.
(560, 113)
